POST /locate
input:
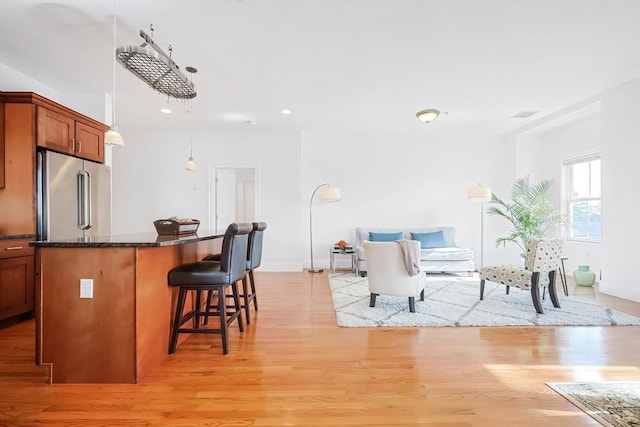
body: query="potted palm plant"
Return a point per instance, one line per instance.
(530, 212)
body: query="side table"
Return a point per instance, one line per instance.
(332, 259)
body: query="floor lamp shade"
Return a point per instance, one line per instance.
(330, 194)
(479, 194)
(327, 194)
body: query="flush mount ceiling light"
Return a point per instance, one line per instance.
(156, 68)
(428, 116)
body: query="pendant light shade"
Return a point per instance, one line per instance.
(191, 164)
(112, 136)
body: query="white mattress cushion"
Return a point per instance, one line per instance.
(446, 254)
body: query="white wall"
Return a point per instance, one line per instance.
(620, 190)
(540, 153)
(398, 181)
(151, 182)
(614, 131)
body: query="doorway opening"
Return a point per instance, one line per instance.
(233, 194)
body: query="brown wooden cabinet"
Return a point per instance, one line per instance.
(28, 120)
(1, 142)
(16, 277)
(62, 133)
(18, 198)
(59, 128)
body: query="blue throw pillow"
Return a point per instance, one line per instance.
(430, 240)
(385, 237)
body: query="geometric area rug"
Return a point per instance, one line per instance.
(612, 404)
(451, 300)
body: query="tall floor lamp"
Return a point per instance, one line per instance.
(327, 194)
(480, 194)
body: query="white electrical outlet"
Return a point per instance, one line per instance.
(86, 288)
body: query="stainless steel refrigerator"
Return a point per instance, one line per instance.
(73, 197)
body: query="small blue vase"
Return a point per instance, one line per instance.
(584, 276)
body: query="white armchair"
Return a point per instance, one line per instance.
(388, 275)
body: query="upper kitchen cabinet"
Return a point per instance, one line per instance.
(63, 133)
(61, 129)
(17, 198)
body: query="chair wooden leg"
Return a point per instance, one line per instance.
(422, 295)
(372, 300)
(173, 341)
(412, 304)
(236, 304)
(198, 307)
(222, 309)
(208, 306)
(253, 289)
(245, 299)
(481, 289)
(535, 291)
(552, 289)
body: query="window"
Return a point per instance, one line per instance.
(583, 197)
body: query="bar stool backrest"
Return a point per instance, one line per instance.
(254, 255)
(234, 249)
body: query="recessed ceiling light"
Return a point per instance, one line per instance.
(165, 110)
(250, 122)
(286, 112)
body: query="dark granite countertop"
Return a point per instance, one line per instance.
(18, 236)
(128, 240)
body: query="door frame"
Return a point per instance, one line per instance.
(212, 190)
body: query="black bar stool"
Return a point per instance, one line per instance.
(254, 258)
(212, 277)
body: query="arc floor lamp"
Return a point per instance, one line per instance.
(327, 194)
(480, 194)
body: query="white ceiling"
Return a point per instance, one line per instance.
(351, 65)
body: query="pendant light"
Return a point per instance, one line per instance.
(191, 164)
(112, 136)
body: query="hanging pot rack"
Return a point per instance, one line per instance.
(154, 67)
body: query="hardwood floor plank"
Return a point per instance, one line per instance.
(294, 366)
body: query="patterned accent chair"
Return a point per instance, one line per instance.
(541, 264)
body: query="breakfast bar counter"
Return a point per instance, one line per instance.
(103, 305)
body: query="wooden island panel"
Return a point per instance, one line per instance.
(123, 331)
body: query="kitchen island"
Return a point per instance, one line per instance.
(114, 326)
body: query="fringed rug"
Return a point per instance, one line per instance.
(612, 404)
(455, 301)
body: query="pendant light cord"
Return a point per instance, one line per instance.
(113, 95)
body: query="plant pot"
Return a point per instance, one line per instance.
(584, 276)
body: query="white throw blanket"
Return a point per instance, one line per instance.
(410, 256)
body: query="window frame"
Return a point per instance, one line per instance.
(569, 201)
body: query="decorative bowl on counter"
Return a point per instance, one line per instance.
(176, 226)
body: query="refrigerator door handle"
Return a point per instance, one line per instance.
(84, 200)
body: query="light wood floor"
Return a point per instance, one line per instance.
(294, 366)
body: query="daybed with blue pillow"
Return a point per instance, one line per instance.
(438, 250)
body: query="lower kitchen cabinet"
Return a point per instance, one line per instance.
(17, 280)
